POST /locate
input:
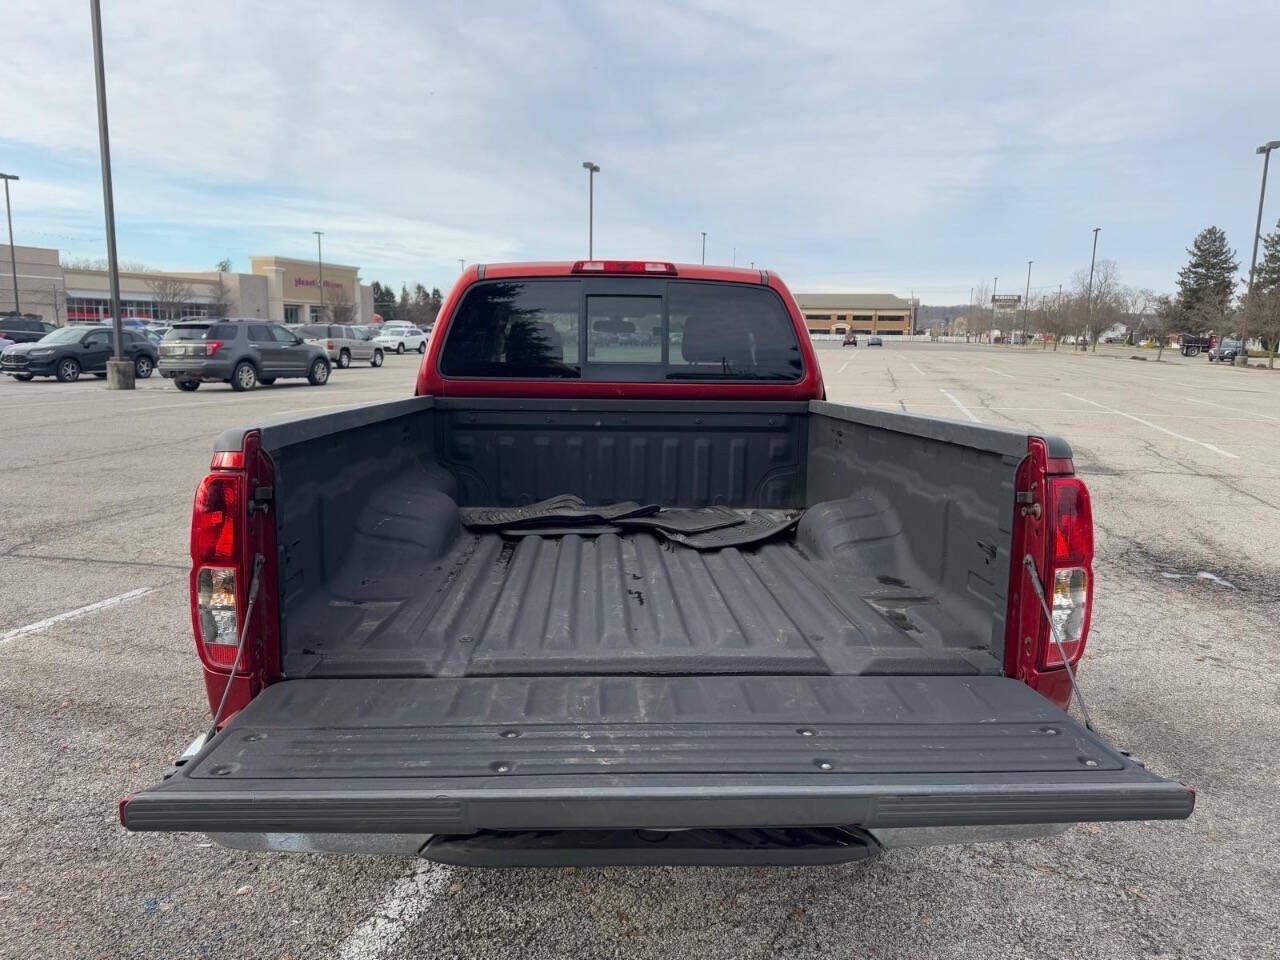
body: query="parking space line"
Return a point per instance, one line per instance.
(1007, 376)
(963, 409)
(1232, 409)
(409, 898)
(845, 364)
(1154, 426)
(916, 369)
(74, 614)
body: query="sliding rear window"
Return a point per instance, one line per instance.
(639, 330)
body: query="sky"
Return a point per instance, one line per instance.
(898, 147)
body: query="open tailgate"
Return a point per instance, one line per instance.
(456, 755)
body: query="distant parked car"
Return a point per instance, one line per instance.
(850, 340)
(342, 343)
(4, 343)
(242, 353)
(1226, 351)
(400, 339)
(24, 328)
(67, 352)
(874, 342)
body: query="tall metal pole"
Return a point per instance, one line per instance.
(104, 147)
(995, 285)
(1089, 297)
(462, 264)
(1265, 150)
(592, 169)
(320, 268)
(13, 260)
(1026, 303)
(704, 246)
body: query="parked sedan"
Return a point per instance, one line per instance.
(401, 339)
(70, 351)
(874, 342)
(850, 340)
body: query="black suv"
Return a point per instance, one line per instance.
(23, 327)
(242, 353)
(69, 351)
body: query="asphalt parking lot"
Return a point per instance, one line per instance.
(1184, 463)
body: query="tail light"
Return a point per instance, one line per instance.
(1053, 525)
(217, 585)
(1070, 571)
(211, 347)
(329, 345)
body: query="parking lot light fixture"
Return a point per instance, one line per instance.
(320, 269)
(13, 260)
(592, 169)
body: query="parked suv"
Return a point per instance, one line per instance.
(1226, 351)
(342, 343)
(24, 328)
(69, 351)
(242, 353)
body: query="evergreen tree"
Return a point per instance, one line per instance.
(384, 301)
(404, 308)
(1267, 275)
(1206, 283)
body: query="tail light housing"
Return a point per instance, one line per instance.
(329, 344)
(1053, 525)
(211, 347)
(651, 267)
(229, 528)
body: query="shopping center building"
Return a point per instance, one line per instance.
(275, 288)
(871, 313)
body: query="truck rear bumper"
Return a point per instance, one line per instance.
(449, 756)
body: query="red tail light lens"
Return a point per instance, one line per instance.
(211, 347)
(329, 345)
(1072, 522)
(219, 501)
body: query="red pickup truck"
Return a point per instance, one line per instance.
(618, 585)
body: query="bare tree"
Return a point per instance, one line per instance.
(1260, 317)
(220, 305)
(340, 306)
(1100, 301)
(1168, 319)
(980, 317)
(171, 296)
(1137, 304)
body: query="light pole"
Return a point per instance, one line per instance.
(462, 264)
(119, 370)
(1088, 307)
(13, 260)
(1026, 303)
(995, 285)
(704, 247)
(320, 270)
(1265, 150)
(592, 169)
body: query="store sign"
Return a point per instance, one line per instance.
(300, 282)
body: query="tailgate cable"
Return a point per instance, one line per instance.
(1034, 575)
(258, 562)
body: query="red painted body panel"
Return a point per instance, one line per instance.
(431, 383)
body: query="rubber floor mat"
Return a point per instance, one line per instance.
(756, 526)
(559, 511)
(687, 520)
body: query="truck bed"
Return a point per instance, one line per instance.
(626, 603)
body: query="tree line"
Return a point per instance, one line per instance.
(1208, 301)
(418, 307)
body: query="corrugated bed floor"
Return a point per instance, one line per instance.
(630, 603)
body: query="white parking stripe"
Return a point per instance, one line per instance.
(1007, 376)
(73, 614)
(1232, 409)
(1154, 426)
(400, 909)
(843, 365)
(963, 409)
(916, 369)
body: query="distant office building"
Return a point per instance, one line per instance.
(276, 288)
(879, 313)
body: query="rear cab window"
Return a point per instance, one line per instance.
(622, 329)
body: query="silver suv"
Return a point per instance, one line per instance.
(342, 343)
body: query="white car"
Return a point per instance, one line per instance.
(399, 339)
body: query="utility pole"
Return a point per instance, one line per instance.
(1265, 150)
(13, 260)
(120, 374)
(995, 285)
(320, 269)
(1089, 299)
(704, 247)
(592, 169)
(462, 264)
(1026, 303)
